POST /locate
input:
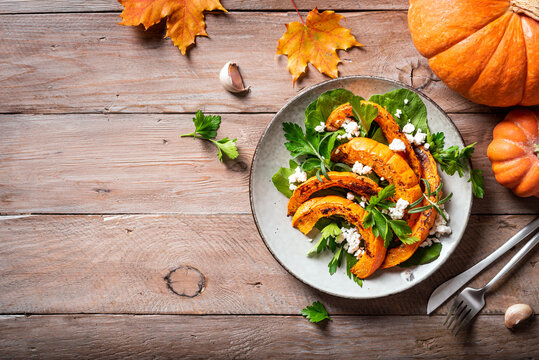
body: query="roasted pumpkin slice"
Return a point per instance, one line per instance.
(337, 116)
(425, 220)
(392, 131)
(361, 185)
(384, 162)
(387, 123)
(312, 210)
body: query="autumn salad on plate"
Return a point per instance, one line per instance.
(364, 174)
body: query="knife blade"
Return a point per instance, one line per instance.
(451, 286)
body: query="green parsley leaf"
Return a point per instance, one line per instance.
(478, 186)
(226, 146)
(351, 260)
(330, 231)
(315, 312)
(385, 193)
(423, 255)
(403, 231)
(205, 126)
(336, 260)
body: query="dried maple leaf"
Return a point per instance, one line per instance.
(315, 42)
(185, 18)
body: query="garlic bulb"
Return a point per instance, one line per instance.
(516, 314)
(231, 78)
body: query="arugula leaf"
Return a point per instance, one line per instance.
(226, 146)
(478, 186)
(313, 119)
(423, 255)
(315, 312)
(414, 110)
(454, 160)
(351, 260)
(280, 179)
(205, 126)
(330, 100)
(336, 260)
(379, 136)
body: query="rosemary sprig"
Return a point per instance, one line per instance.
(432, 204)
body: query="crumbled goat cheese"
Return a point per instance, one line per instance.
(321, 128)
(408, 275)
(360, 252)
(351, 128)
(405, 101)
(420, 137)
(440, 225)
(363, 198)
(408, 128)
(361, 169)
(298, 176)
(427, 146)
(429, 241)
(352, 238)
(350, 196)
(398, 113)
(397, 145)
(292, 187)
(362, 204)
(397, 212)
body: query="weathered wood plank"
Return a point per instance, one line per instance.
(119, 163)
(202, 264)
(259, 337)
(59, 6)
(54, 63)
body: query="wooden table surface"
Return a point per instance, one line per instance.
(119, 239)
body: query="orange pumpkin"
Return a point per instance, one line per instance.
(486, 50)
(514, 152)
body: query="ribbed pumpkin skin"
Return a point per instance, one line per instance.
(512, 152)
(479, 48)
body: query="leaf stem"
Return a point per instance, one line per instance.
(193, 134)
(295, 7)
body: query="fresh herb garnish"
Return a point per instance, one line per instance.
(351, 260)
(454, 160)
(423, 255)
(331, 231)
(315, 312)
(206, 127)
(432, 204)
(336, 260)
(381, 224)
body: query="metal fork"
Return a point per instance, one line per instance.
(470, 301)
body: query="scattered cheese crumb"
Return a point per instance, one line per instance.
(440, 225)
(397, 212)
(429, 241)
(362, 204)
(352, 129)
(292, 187)
(427, 146)
(420, 137)
(352, 237)
(359, 252)
(361, 169)
(350, 196)
(298, 176)
(405, 101)
(398, 113)
(397, 145)
(382, 178)
(321, 128)
(408, 275)
(408, 128)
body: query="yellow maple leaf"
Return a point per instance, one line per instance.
(185, 18)
(316, 42)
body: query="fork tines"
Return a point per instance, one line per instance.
(458, 316)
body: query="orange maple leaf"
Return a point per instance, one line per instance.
(185, 18)
(315, 42)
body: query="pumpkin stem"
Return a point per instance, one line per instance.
(527, 7)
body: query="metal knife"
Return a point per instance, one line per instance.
(451, 286)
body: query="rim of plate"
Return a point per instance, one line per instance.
(251, 200)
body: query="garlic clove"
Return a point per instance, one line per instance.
(231, 79)
(517, 314)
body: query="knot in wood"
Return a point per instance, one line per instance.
(186, 281)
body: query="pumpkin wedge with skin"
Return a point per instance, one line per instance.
(387, 123)
(514, 152)
(314, 209)
(384, 162)
(360, 185)
(425, 221)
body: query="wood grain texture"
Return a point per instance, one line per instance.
(56, 63)
(120, 163)
(59, 6)
(203, 264)
(259, 337)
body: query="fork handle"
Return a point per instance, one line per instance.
(514, 260)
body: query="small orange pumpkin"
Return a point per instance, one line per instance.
(486, 50)
(514, 152)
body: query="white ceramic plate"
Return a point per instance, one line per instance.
(289, 246)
